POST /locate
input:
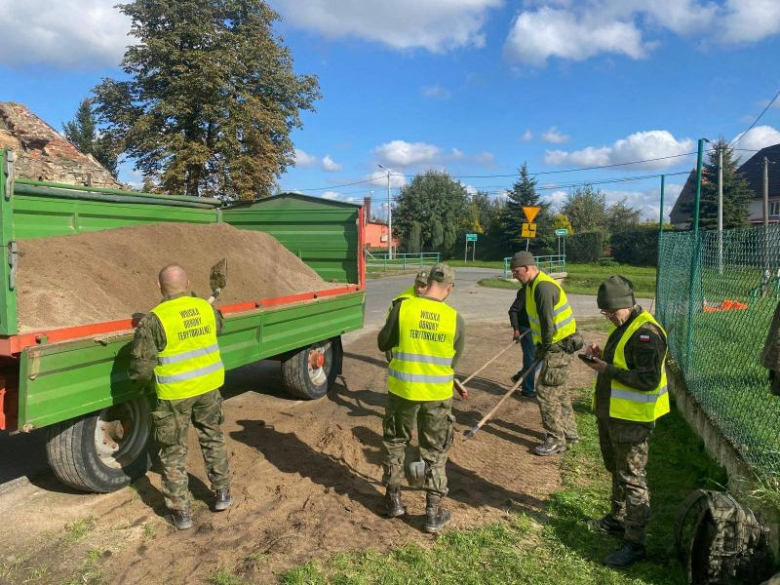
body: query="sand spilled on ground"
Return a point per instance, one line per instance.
(109, 275)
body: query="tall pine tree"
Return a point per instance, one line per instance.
(82, 133)
(736, 191)
(523, 193)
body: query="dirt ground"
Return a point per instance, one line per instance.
(58, 288)
(306, 481)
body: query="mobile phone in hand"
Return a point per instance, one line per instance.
(586, 358)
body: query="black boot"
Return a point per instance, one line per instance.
(223, 500)
(436, 517)
(180, 519)
(393, 505)
(608, 524)
(627, 555)
(549, 447)
(515, 377)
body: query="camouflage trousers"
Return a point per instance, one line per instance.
(553, 397)
(624, 447)
(434, 431)
(171, 421)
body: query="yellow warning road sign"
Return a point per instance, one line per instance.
(528, 230)
(531, 212)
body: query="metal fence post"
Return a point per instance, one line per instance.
(695, 265)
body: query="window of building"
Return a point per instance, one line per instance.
(774, 208)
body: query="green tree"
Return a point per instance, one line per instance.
(82, 132)
(414, 240)
(210, 97)
(736, 191)
(439, 205)
(621, 217)
(523, 194)
(561, 222)
(586, 209)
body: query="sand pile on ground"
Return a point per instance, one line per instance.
(109, 275)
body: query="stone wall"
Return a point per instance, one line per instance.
(43, 154)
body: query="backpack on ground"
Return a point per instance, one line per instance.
(721, 542)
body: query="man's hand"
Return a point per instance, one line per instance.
(597, 364)
(516, 336)
(593, 350)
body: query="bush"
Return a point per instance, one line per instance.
(586, 247)
(638, 247)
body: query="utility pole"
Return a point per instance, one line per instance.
(766, 218)
(720, 209)
(389, 216)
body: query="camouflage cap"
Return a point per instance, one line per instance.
(442, 273)
(522, 259)
(617, 292)
(421, 278)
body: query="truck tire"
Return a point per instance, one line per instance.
(310, 372)
(103, 451)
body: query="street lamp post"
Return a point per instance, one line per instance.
(389, 217)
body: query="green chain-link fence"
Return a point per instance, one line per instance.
(716, 297)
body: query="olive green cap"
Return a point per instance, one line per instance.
(421, 278)
(617, 292)
(442, 273)
(522, 259)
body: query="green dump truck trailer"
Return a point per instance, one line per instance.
(73, 381)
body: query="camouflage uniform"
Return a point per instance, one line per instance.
(171, 418)
(554, 400)
(625, 444)
(434, 429)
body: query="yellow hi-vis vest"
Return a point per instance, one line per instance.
(190, 364)
(564, 321)
(628, 403)
(421, 368)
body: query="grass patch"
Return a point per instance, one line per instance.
(226, 577)
(555, 546)
(585, 279)
(497, 264)
(78, 529)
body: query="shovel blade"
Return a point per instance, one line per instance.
(218, 276)
(469, 433)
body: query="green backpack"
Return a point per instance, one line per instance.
(721, 542)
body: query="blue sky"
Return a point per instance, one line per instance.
(474, 87)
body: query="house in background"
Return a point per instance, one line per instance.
(753, 171)
(375, 231)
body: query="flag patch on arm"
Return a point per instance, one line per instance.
(644, 338)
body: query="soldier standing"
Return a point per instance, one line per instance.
(177, 344)
(518, 318)
(426, 337)
(552, 324)
(630, 396)
(417, 289)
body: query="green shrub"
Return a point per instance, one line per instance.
(586, 247)
(638, 247)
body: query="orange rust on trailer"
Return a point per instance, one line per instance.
(15, 344)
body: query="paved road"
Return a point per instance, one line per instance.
(24, 456)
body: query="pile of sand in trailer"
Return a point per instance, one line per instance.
(109, 275)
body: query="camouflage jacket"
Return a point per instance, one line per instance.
(148, 341)
(644, 357)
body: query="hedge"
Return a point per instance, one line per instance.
(586, 247)
(638, 247)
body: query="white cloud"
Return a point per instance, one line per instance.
(758, 138)
(436, 92)
(648, 202)
(400, 153)
(638, 146)
(331, 195)
(404, 154)
(330, 165)
(379, 178)
(435, 25)
(304, 160)
(556, 199)
(537, 36)
(68, 33)
(554, 137)
(576, 31)
(471, 189)
(750, 20)
(527, 137)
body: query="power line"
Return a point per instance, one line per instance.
(769, 105)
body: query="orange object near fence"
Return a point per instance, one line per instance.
(726, 305)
